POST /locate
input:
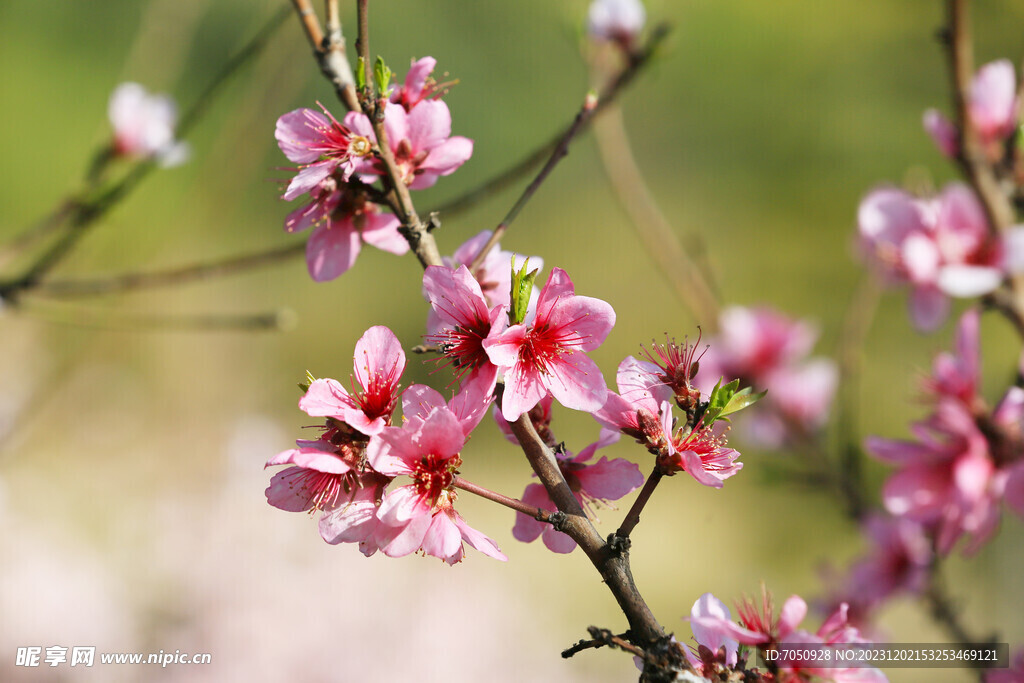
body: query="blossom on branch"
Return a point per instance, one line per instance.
(421, 515)
(939, 247)
(344, 220)
(616, 20)
(144, 125)
(420, 140)
(320, 145)
(549, 354)
(592, 483)
(379, 362)
(992, 106)
(418, 86)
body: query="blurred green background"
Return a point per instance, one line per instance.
(132, 507)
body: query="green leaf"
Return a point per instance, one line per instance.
(719, 399)
(741, 400)
(361, 74)
(382, 76)
(522, 287)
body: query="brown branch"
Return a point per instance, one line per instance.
(945, 612)
(329, 50)
(613, 566)
(633, 516)
(561, 151)
(415, 231)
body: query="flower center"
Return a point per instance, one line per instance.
(434, 474)
(359, 146)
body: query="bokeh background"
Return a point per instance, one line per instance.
(131, 483)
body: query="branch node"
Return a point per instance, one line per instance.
(619, 545)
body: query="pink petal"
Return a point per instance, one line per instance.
(526, 528)
(793, 612)
(471, 403)
(417, 77)
(325, 398)
(730, 629)
(928, 308)
(558, 286)
(401, 505)
(379, 359)
(503, 349)
(396, 124)
(353, 522)
(967, 281)
(694, 466)
(331, 250)
(439, 434)
(312, 459)
(557, 541)
(589, 319)
(307, 179)
(993, 98)
(403, 540)
(576, 382)
(284, 495)
(888, 214)
(360, 125)
(708, 605)
(479, 540)
(296, 132)
(391, 451)
(524, 388)
(640, 385)
(942, 131)
(442, 538)
(381, 230)
(1014, 490)
(305, 216)
(419, 400)
(920, 493)
(429, 124)
(456, 296)
(610, 479)
(448, 156)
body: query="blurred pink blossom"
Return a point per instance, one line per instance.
(992, 106)
(939, 247)
(618, 20)
(418, 86)
(144, 125)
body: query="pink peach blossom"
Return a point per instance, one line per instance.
(591, 483)
(464, 322)
(992, 106)
(320, 145)
(418, 84)
(144, 125)
(700, 452)
(421, 515)
(940, 247)
(420, 140)
(619, 20)
(947, 479)
(548, 356)
(379, 363)
(344, 221)
(724, 648)
(635, 409)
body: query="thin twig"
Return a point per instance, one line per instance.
(633, 516)
(84, 215)
(65, 289)
(329, 50)
(561, 150)
(520, 169)
(272, 321)
(537, 513)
